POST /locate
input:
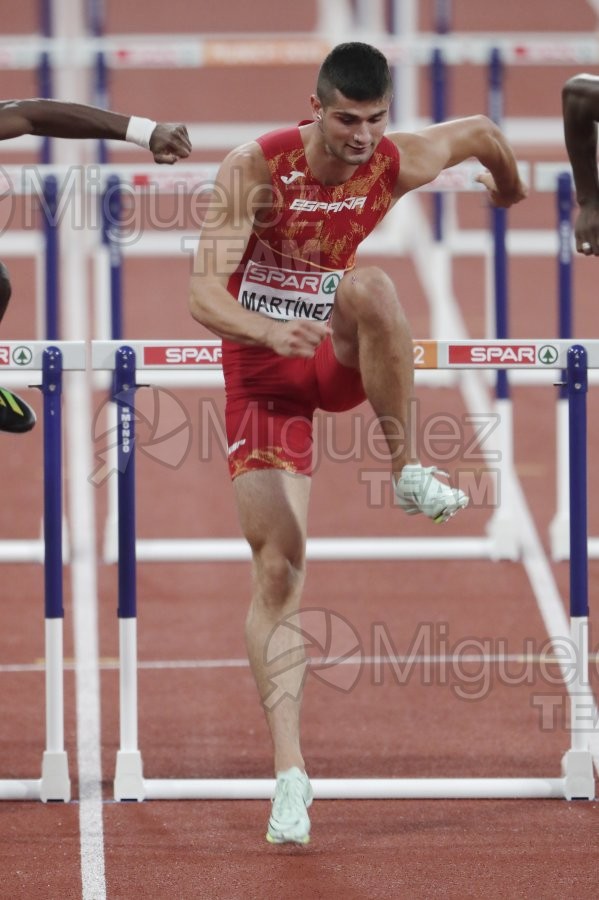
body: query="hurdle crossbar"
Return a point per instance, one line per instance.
(201, 360)
(188, 178)
(51, 359)
(295, 48)
(577, 779)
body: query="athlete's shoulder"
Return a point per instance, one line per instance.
(247, 159)
(280, 140)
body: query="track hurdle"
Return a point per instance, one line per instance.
(51, 360)
(199, 362)
(577, 778)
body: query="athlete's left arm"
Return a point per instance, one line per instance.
(424, 155)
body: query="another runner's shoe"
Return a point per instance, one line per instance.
(289, 821)
(418, 491)
(15, 414)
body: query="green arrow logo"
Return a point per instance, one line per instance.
(22, 356)
(331, 283)
(548, 355)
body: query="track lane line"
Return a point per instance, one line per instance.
(69, 85)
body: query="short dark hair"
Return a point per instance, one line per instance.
(358, 71)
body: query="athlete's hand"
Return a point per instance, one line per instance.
(502, 198)
(169, 143)
(298, 337)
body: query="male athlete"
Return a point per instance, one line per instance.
(300, 201)
(52, 118)
(580, 104)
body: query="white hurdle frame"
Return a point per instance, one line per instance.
(577, 779)
(54, 783)
(236, 549)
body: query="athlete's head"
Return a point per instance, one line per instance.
(358, 71)
(351, 104)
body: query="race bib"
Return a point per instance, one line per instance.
(285, 294)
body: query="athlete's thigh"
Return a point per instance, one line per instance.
(339, 386)
(273, 510)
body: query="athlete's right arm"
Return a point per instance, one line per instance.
(242, 191)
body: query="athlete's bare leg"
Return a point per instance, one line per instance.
(273, 508)
(371, 333)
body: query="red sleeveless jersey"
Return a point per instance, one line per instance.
(291, 268)
(294, 262)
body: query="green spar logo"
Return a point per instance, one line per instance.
(22, 356)
(548, 355)
(331, 283)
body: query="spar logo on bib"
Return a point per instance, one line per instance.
(284, 279)
(286, 294)
(330, 283)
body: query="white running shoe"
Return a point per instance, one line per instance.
(289, 821)
(418, 491)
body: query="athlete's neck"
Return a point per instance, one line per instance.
(328, 168)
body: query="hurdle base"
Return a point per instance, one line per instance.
(55, 783)
(128, 779)
(504, 537)
(579, 779)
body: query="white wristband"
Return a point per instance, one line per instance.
(139, 131)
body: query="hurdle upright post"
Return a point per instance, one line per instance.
(50, 209)
(112, 258)
(44, 74)
(55, 783)
(559, 527)
(101, 99)
(438, 71)
(128, 781)
(577, 763)
(501, 526)
(111, 228)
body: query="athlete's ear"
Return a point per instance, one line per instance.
(316, 107)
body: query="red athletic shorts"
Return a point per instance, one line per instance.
(271, 401)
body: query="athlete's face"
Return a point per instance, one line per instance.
(351, 128)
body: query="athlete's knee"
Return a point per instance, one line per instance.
(370, 295)
(278, 575)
